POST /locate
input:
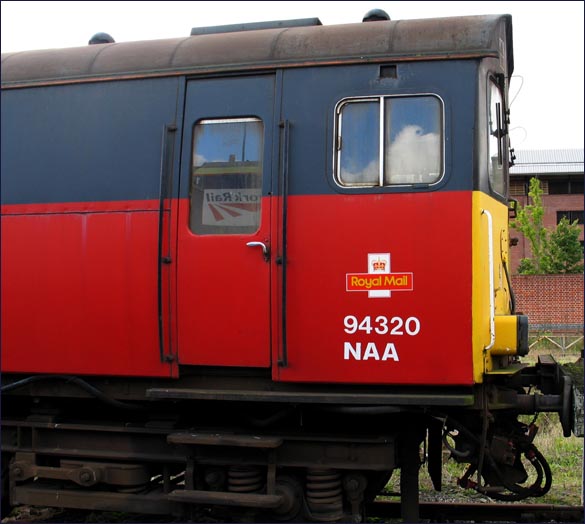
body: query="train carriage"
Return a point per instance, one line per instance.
(257, 266)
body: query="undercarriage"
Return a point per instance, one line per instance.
(282, 452)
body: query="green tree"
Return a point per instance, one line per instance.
(556, 251)
(565, 251)
(529, 222)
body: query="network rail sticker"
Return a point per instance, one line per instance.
(231, 207)
(379, 281)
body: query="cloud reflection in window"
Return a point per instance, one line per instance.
(413, 157)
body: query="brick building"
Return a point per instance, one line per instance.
(560, 172)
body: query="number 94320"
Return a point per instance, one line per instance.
(382, 325)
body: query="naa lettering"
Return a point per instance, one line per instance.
(370, 352)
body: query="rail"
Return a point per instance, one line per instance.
(475, 512)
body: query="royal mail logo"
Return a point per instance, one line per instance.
(379, 281)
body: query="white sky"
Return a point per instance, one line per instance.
(548, 42)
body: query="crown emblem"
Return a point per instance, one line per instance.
(379, 265)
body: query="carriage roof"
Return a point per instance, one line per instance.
(266, 49)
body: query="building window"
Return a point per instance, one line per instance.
(576, 186)
(389, 141)
(565, 187)
(517, 188)
(226, 176)
(571, 216)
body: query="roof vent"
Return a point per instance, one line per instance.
(376, 15)
(101, 38)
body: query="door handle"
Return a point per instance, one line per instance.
(265, 249)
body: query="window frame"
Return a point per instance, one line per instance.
(381, 185)
(495, 81)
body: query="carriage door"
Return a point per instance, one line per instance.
(223, 252)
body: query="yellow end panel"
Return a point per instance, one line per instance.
(485, 210)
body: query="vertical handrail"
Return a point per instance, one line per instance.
(164, 258)
(285, 126)
(491, 271)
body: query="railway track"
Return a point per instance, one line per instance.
(386, 511)
(474, 512)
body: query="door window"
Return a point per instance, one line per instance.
(226, 176)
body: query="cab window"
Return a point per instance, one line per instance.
(389, 141)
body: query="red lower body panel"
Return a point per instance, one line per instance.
(375, 289)
(79, 290)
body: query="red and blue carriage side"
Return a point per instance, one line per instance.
(278, 254)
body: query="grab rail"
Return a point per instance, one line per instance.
(491, 270)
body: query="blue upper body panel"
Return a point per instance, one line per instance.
(85, 142)
(102, 141)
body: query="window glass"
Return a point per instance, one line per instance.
(576, 187)
(385, 141)
(565, 187)
(496, 141)
(413, 140)
(226, 181)
(558, 187)
(360, 144)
